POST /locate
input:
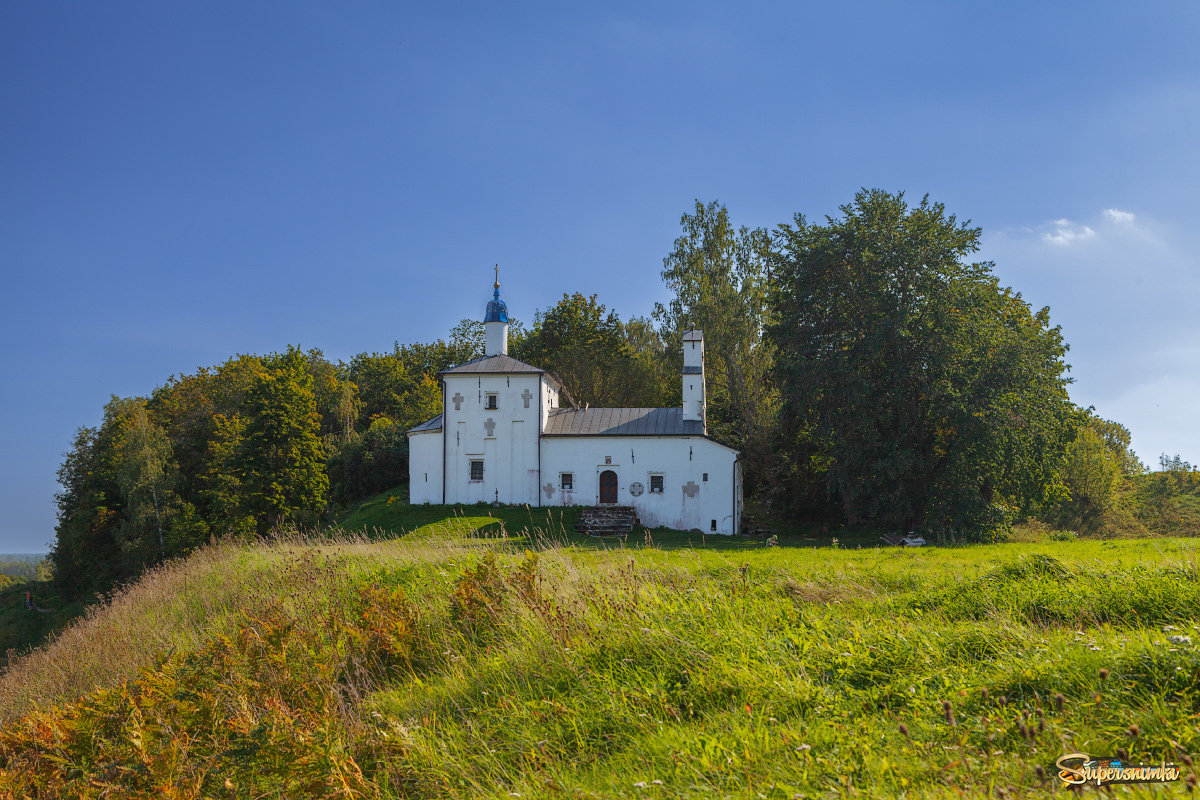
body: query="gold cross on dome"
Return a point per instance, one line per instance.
(497, 276)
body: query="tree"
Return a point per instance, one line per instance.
(224, 479)
(1091, 474)
(142, 459)
(371, 462)
(187, 408)
(390, 387)
(657, 363)
(282, 463)
(935, 397)
(719, 277)
(82, 555)
(585, 345)
(468, 336)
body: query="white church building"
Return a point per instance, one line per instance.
(504, 435)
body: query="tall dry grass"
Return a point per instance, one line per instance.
(180, 605)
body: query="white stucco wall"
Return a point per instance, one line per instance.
(425, 467)
(682, 461)
(505, 439)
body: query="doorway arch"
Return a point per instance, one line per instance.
(608, 488)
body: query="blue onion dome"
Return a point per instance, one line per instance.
(497, 312)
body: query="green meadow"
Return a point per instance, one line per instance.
(479, 652)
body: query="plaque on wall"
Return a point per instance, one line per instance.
(636, 489)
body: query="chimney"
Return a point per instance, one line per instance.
(693, 377)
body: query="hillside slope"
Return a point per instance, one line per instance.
(444, 664)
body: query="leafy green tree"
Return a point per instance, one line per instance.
(84, 543)
(467, 338)
(336, 397)
(719, 277)
(371, 462)
(658, 361)
(935, 397)
(143, 466)
(282, 461)
(1091, 474)
(224, 480)
(585, 345)
(389, 387)
(187, 408)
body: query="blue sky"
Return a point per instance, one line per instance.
(183, 181)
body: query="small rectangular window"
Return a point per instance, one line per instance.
(656, 484)
(476, 470)
(567, 482)
(712, 525)
(493, 402)
(706, 476)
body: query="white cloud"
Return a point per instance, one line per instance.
(1123, 288)
(1066, 232)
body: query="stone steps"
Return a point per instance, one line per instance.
(606, 520)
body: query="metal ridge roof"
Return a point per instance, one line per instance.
(434, 424)
(498, 363)
(621, 422)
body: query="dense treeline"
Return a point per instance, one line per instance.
(869, 372)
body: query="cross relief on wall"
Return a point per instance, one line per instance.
(458, 401)
(526, 396)
(691, 489)
(489, 425)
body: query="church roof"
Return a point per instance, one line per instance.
(504, 365)
(434, 424)
(621, 422)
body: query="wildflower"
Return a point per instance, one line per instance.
(1179, 639)
(1132, 731)
(1041, 772)
(1058, 702)
(1103, 674)
(640, 785)
(903, 729)
(1122, 754)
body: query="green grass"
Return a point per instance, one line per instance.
(389, 515)
(478, 655)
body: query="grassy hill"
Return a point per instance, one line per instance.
(499, 656)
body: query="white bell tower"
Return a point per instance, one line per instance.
(495, 324)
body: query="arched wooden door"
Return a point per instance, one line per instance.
(608, 487)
